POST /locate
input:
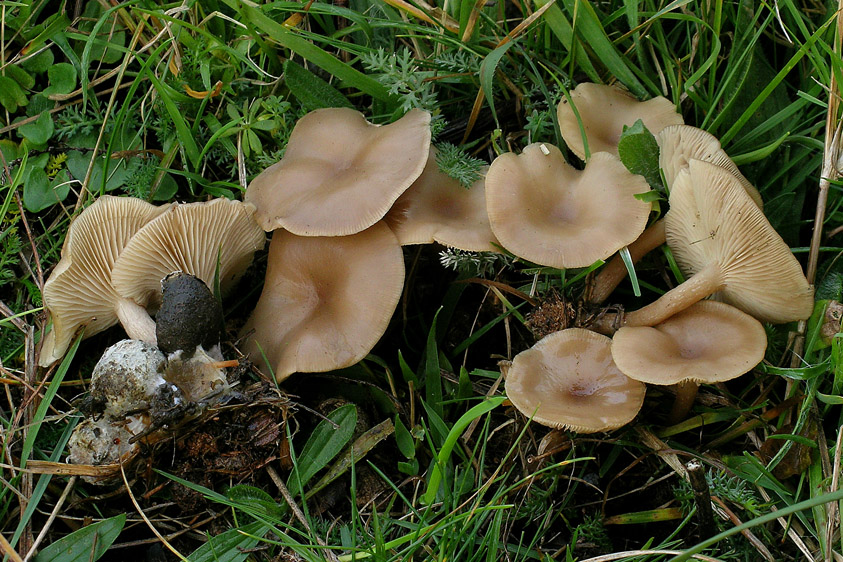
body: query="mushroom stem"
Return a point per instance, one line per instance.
(706, 281)
(615, 271)
(136, 321)
(686, 394)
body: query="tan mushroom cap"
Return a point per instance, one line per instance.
(722, 241)
(568, 380)
(707, 342)
(340, 174)
(604, 111)
(79, 290)
(545, 211)
(191, 238)
(437, 208)
(326, 300)
(679, 144)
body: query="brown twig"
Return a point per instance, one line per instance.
(702, 498)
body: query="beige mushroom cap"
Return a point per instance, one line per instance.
(326, 300)
(79, 290)
(707, 342)
(679, 144)
(437, 208)
(191, 238)
(568, 380)
(604, 111)
(545, 211)
(712, 222)
(340, 174)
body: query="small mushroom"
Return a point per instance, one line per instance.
(79, 292)
(436, 208)
(545, 211)
(326, 301)
(707, 342)
(568, 380)
(604, 110)
(723, 242)
(340, 174)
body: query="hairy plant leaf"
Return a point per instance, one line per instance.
(231, 546)
(310, 90)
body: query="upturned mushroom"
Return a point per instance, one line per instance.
(326, 301)
(79, 292)
(543, 210)
(604, 111)
(568, 380)
(723, 242)
(203, 239)
(340, 174)
(707, 342)
(437, 208)
(679, 144)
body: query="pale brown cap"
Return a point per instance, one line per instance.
(545, 211)
(326, 301)
(437, 208)
(712, 222)
(604, 111)
(79, 290)
(568, 380)
(191, 238)
(707, 342)
(679, 144)
(340, 174)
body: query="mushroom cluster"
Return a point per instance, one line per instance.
(720, 239)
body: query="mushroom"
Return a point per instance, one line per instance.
(568, 380)
(326, 301)
(197, 238)
(604, 110)
(437, 208)
(722, 240)
(707, 342)
(679, 144)
(545, 211)
(340, 174)
(79, 292)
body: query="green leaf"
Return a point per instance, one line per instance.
(62, 79)
(404, 439)
(445, 453)
(87, 544)
(39, 63)
(487, 74)
(39, 131)
(561, 27)
(432, 376)
(310, 90)
(183, 132)
(324, 444)
(292, 40)
(19, 75)
(254, 500)
(639, 152)
(39, 192)
(231, 546)
(11, 95)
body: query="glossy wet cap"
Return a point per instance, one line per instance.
(569, 380)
